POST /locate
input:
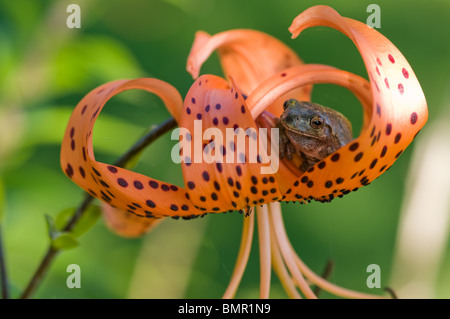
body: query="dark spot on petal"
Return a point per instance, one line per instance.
(321, 165)
(391, 58)
(122, 182)
(96, 172)
(335, 157)
(405, 73)
(373, 131)
(82, 172)
(138, 185)
(414, 118)
(104, 184)
(84, 155)
(383, 151)
(388, 129)
(397, 138)
(153, 184)
(374, 162)
(112, 169)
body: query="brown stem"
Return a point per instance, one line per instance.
(3, 273)
(142, 143)
(326, 273)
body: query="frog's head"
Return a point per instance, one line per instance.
(306, 118)
(313, 128)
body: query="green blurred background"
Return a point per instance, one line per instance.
(46, 68)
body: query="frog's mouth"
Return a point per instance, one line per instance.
(296, 132)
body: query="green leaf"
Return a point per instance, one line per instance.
(51, 229)
(63, 217)
(60, 239)
(86, 221)
(64, 240)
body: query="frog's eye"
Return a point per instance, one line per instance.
(316, 122)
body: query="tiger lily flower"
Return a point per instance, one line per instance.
(262, 73)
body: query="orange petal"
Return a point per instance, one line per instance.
(125, 223)
(278, 85)
(399, 111)
(130, 192)
(249, 57)
(215, 179)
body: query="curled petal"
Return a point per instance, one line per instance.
(127, 191)
(249, 57)
(399, 111)
(285, 81)
(125, 223)
(223, 161)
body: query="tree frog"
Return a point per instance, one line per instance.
(312, 131)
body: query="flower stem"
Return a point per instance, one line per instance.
(142, 143)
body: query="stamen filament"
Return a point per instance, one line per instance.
(280, 269)
(286, 251)
(262, 213)
(242, 259)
